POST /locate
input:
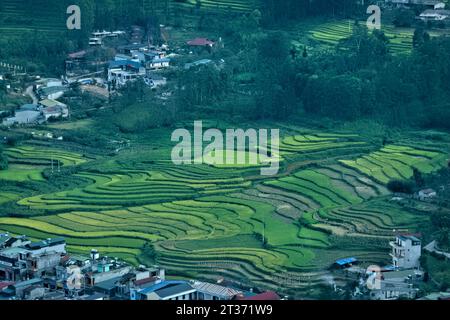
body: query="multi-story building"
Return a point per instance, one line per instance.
(406, 252)
(31, 260)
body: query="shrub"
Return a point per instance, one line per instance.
(401, 186)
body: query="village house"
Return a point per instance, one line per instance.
(155, 80)
(393, 291)
(7, 241)
(406, 252)
(30, 259)
(128, 49)
(435, 15)
(122, 71)
(104, 269)
(411, 3)
(264, 296)
(51, 92)
(393, 285)
(210, 291)
(23, 289)
(197, 63)
(41, 270)
(426, 194)
(24, 117)
(166, 290)
(53, 109)
(95, 42)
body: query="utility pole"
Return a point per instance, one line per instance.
(52, 164)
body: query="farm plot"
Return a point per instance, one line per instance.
(397, 162)
(27, 163)
(317, 143)
(132, 188)
(378, 218)
(223, 5)
(19, 17)
(316, 188)
(400, 40)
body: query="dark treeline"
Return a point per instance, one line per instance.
(282, 10)
(359, 80)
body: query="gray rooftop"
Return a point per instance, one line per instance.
(174, 290)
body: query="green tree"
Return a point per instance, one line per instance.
(3, 161)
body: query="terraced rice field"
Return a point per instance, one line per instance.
(207, 221)
(397, 162)
(36, 15)
(400, 39)
(218, 6)
(27, 163)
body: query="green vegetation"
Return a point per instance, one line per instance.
(354, 109)
(207, 220)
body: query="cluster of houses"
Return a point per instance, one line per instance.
(138, 61)
(45, 106)
(97, 37)
(398, 280)
(105, 67)
(434, 10)
(44, 270)
(143, 61)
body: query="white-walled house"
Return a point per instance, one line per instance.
(406, 252)
(426, 194)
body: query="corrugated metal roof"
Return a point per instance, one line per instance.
(214, 289)
(345, 261)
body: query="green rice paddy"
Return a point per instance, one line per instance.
(210, 221)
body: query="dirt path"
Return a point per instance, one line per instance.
(30, 93)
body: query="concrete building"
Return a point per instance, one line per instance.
(31, 259)
(53, 109)
(166, 290)
(406, 252)
(393, 291)
(23, 289)
(24, 117)
(426, 194)
(7, 241)
(210, 291)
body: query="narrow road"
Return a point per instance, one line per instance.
(30, 93)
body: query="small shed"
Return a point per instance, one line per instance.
(345, 263)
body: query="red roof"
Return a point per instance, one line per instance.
(200, 42)
(5, 284)
(77, 55)
(267, 296)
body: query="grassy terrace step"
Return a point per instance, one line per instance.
(332, 33)
(225, 5)
(56, 230)
(26, 163)
(115, 241)
(381, 166)
(206, 221)
(130, 189)
(289, 196)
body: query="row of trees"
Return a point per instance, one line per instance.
(360, 79)
(281, 10)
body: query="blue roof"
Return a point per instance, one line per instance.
(343, 262)
(160, 286)
(121, 63)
